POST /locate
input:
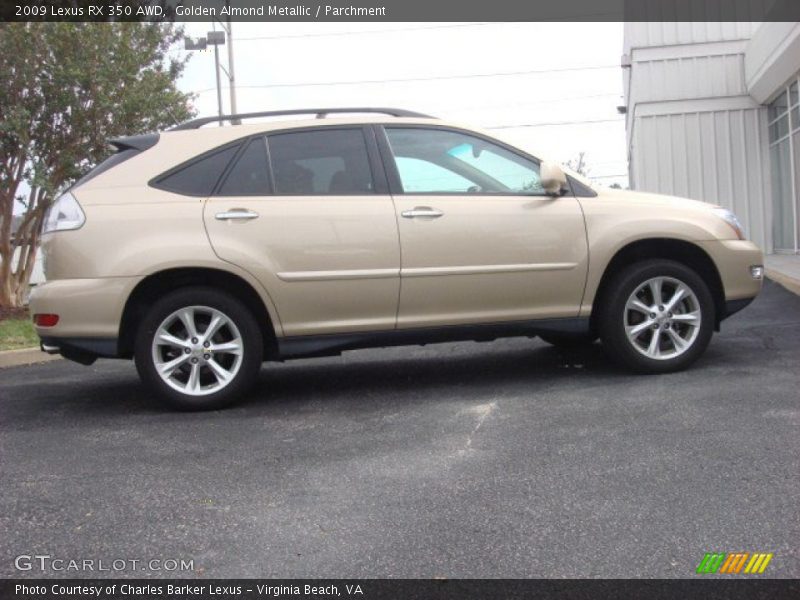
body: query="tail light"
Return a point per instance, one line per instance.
(45, 320)
(64, 214)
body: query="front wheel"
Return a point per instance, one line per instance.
(199, 349)
(656, 317)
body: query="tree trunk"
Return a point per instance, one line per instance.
(6, 258)
(27, 262)
(15, 274)
(5, 289)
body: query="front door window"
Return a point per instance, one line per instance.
(444, 161)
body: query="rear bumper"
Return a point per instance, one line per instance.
(81, 350)
(86, 308)
(89, 315)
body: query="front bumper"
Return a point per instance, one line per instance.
(734, 306)
(733, 259)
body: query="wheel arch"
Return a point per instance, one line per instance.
(682, 251)
(157, 284)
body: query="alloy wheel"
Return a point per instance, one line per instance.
(662, 318)
(197, 350)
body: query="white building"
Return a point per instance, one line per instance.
(712, 114)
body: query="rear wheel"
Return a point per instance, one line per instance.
(199, 349)
(656, 317)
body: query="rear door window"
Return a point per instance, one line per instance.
(249, 176)
(321, 162)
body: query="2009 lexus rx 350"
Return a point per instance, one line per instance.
(201, 252)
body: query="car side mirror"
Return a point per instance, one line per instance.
(552, 178)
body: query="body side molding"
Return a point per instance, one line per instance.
(307, 346)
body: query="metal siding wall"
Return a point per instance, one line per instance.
(718, 157)
(659, 33)
(688, 78)
(710, 152)
(694, 156)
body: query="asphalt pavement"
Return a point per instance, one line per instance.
(500, 459)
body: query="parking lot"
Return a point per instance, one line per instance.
(501, 459)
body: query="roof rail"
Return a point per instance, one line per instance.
(320, 112)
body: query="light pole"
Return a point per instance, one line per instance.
(213, 38)
(217, 38)
(231, 76)
(228, 27)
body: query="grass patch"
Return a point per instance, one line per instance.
(17, 333)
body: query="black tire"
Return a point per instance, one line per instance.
(568, 340)
(249, 362)
(612, 315)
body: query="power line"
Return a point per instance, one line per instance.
(414, 79)
(558, 123)
(366, 32)
(588, 17)
(551, 123)
(473, 108)
(621, 161)
(531, 103)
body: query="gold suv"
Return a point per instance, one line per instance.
(201, 252)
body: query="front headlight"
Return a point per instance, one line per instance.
(65, 213)
(730, 219)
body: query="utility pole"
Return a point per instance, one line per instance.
(213, 38)
(216, 71)
(231, 75)
(216, 38)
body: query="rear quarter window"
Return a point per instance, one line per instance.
(199, 176)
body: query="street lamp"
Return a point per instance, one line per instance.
(217, 38)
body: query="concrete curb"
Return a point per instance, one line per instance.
(25, 356)
(790, 283)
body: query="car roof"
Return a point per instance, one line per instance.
(233, 132)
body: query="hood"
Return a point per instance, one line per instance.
(647, 198)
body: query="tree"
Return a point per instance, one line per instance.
(68, 88)
(578, 164)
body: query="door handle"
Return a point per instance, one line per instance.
(422, 211)
(236, 214)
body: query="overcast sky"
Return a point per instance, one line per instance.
(563, 80)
